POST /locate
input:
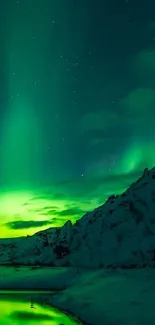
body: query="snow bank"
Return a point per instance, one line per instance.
(40, 278)
(120, 298)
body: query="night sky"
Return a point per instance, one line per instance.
(77, 106)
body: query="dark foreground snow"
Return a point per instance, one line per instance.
(96, 296)
(121, 298)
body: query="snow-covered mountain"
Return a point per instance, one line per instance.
(120, 233)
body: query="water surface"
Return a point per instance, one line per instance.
(28, 307)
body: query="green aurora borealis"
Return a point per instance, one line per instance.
(77, 107)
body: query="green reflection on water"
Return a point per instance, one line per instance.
(30, 308)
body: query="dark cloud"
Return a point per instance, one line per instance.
(45, 210)
(58, 196)
(27, 224)
(70, 212)
(36, 198)
(110, 125)
(143, 62)
(115, 178)
(50, 212)
(139, 101)
(50, 207)
(92, 183)
(100, 120)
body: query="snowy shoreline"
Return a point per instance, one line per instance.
(124, 297)
(100, 297)
(70, 314)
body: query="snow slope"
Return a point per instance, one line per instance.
(117, 298)
(120, 233)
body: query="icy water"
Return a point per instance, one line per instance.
(28, 308)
